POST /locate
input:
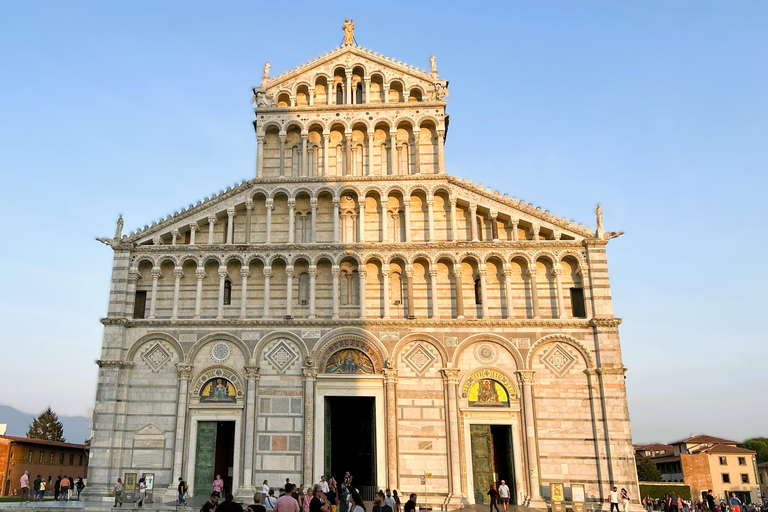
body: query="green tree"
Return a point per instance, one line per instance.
(647, 471)
(47, 426)
(760, 445)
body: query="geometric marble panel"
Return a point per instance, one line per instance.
(419, 358)
(486, 353)
(221, 351)
(156, 357)
(281, 356)
(557, 359)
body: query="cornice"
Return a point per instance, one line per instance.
(409, 105)
(605, 322)
(107, 363)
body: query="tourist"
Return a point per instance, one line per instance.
(380, 504)
(348, 478)
(324, 484)
(307, 499)
(356, 502)
(79, 485)
(181, 489)
(679, 502)
(256, 506)
(35, 487)
(396, 499)
(210, 505)
(64, 488)
(24, 484)
(332, 497)
(286, 502)
(319, 502)
(229, 504)
(295, 495)
(118, 492)
(41, 490)
(270, 501)
(389, 500)
(343, 497)
(142, 491)
(735, 503)
(265, 489)
(218, 486)
(57, 488)
(625, 500)
(613, 498)
(494, 495)
(504, 495)
(711, 501)
(410, 505)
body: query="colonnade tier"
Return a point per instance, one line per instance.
(542, 284)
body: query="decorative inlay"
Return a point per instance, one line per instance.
(489, 373)
(522, 342)
(558, 359)
(451, 341)
(486, 353)
(279, 392)
(351, 342)
(220, 374)
(419, 395)
(281, 356)
(156, 357)
(221, 351)
(419, 358)
(187, 338)
(389, 336)
(252, 335)
(310, 334)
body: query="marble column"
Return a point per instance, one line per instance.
(304, 162)
(407, 212)
(313, 220)
(558, 270)
(270, 203)
(260, 156)
(433, 285)
(309, 375)
(130, 295)
(326, 137)
(177, 275)
(535, 230)
(587, 292)
(211, 223)
(386, 92)
(348, 153)
(451, 381)
(230, 225)
(431, 218)
(393, 153)
(312, 284)
(222, 280)
(534, 291)
(291, 221)
(441, 151)
(390, 394)
(183, 374)
(267, 276)
(473, 222)
(330, 92)
(248, 220)
(415, 145)
(244, 275)
(156, 274)
(514, 225)
(454, 222)
(175, 236)
(252, 376)
(367, 98)
(369, 172)
(385, 277)
(200, 274)
(409, 277)
(192, 230)
(508, 292)
(362, 274)
(311, 96)
(283, 137)
(335, 273)
(526, 379)
(459, 294)
(495, 226)
(384, 220)
(336, 221)
(484, 292)
(289, 291)
(361, 220)
(348, 89)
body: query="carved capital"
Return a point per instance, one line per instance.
(289, 271)
(267, 271)
(283, 138)
(362, 273)
(223, 273)
(291, 203)
(200, 273)
(457, 272)
(175, 233)
(269, 203)
(183, 371)
(473, 208)
(156, 274)
(494, 214)
(231, 211)
(390, 375)
(252, 372)
(260, 139)
(335, 271)
(312, 272)
(133, 274)
(433, 272)
(482, 272)
(249, 204)
(450, 375)
(526, 377)
(309, 373)
(212, 219)
(313, 203)
(193, 227)
(178, 273)
(244, 272)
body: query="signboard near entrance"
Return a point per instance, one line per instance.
(578, 497)
(557, 492)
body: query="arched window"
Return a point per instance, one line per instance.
(304, 288)
(227, 292)
(396, 293)
(339, 95)
(478, 292)
(359, 96)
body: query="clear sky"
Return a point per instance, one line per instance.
(658, 110)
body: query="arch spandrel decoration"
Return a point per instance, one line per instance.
(494, 376)
(206, 383)
(356, 348)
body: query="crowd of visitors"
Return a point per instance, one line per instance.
(63, 489)
(674, 503)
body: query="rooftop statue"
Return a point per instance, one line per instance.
(599, 214)
(433, 65)
(349, 32)
(267, 67)
(119, 229)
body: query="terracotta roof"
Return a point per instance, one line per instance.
(653, 447)
(763, 465)
(724, 448)
(27, 440)
(704, 439)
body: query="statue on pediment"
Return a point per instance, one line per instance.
(433, 65)
(440, 92)
(599, 214)
(119, 230)
(265, 78)
(349, 32)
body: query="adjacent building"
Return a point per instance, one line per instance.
(356, 308)
(49, 459)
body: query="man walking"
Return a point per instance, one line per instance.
(494, 498)
(410, 505)
(389, 500)
(324, 485)
(64, 488)
(24, 484)
(614, 499)
(504, 495)
(380, 504)
(711, 501)
(35, 487)
(182, 489)
(286, 502)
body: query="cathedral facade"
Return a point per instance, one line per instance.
(356, 308)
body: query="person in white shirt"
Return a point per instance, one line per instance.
(614, 499)
(504, 495)
(389, 500)
(324, 485)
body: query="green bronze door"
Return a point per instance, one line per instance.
(205, 457)
(482, 461)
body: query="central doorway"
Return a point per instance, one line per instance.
(350, 434)
(492, 460)
(215, 455)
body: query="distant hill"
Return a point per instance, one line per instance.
(76, 428)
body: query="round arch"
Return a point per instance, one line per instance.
(328, 345)
(563, 338)
(219, 336)
(263, 342)
(426, 338)
(504, 342)
(154, 336)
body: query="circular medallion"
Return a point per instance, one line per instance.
(220, 351)
(486, 353)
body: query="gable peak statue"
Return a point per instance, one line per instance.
(349, 32)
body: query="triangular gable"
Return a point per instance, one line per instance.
(149, 430)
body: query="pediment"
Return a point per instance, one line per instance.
(149, 430)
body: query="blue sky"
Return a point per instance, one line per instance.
(658, 110)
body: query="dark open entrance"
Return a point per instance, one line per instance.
(492, 460)
(350, 439)
(215, 455)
